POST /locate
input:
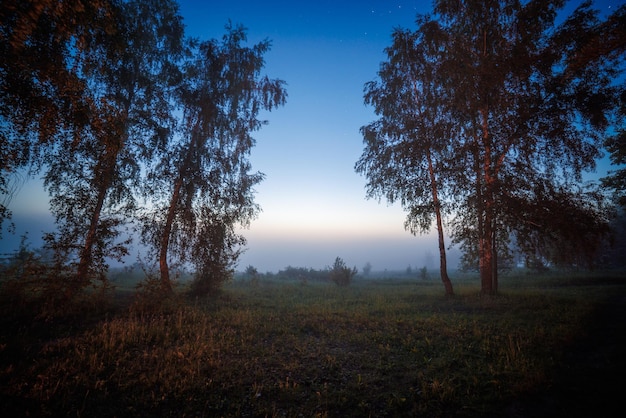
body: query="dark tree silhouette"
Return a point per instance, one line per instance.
(43, 97)
(130, 69)
(407, 149)
(525, 112)
(341, 274)
(204, 176)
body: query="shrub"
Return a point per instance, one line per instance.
(208, 280)
(340, 274)
(47, 289)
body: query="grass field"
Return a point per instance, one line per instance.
(545, 346)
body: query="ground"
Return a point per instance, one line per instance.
(591, 382)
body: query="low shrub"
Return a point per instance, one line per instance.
(340, 274)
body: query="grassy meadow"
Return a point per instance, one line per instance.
(545, 346)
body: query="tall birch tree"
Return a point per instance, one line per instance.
(407, 148)
(527, 115)
(42, 95)
(130, 69)
(203, 184)
(532, 116)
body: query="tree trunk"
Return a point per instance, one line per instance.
(105, 170)
(485, 213)
(443, 264)
(166, 283)
(90, 239)
(164, 269)
(486, 259)
(494, 246)
(82, 272)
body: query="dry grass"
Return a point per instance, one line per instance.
(386, 348)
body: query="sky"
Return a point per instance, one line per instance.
(313, 203)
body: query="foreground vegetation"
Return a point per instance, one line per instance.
(544, 346)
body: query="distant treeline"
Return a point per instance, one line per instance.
(307, 274)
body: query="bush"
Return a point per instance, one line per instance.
(340, 274)
(150, 298)
(47, 289)
(208, 280)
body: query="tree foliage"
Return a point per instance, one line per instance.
(111, 101)
(205, 173)
(610, 40)
(92, 181)
(523, 115)
(43, 96)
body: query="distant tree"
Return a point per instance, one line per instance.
(202, 184)
(252, 274)
(367, 269)
(302, 274)
(340, 274)
(251, 271)
(521, 113)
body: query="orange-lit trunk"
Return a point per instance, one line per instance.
(166, 283)
(86, 254)
(486, 241)
(443, 264)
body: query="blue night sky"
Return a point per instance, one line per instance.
(314, 206)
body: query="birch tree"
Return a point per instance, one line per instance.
(203, 183)
(530, 116)
(43, 98)
(407, 148)
(526, 113)
(129, 71)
